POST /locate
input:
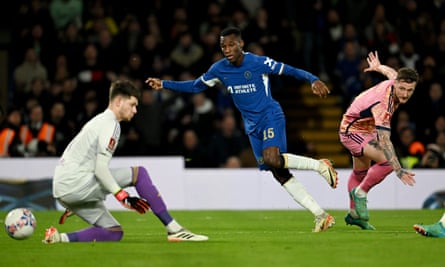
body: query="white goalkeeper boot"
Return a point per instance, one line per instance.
(185, 235)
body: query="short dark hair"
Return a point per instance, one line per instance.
(124, 88)
(231, 30)
(407, 75)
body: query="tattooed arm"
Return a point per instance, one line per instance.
(390, 154)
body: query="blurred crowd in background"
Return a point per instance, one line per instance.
(64, 53)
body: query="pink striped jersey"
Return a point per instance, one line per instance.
(370, 110)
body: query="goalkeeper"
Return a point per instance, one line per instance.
(82, 178)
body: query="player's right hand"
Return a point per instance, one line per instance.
(135, 203)
(154, 83)
(319, 88)
(407, 177)
(373, 61)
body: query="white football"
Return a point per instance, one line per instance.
(20, 223)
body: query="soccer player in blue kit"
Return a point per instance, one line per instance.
(246, 77)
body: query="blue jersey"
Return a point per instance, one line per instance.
(248, 84)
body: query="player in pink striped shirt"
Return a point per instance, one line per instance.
(365, 131)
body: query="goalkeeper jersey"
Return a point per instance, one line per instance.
(75, 171)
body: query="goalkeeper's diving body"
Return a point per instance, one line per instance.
(82, 178)
(246, 78)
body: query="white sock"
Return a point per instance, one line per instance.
(443, 219)
(353, 213)
(297, 190)
(173, 227)
(292, 161)
(64, 238)
(360, 193)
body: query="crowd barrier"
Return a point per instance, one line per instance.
(27, 182)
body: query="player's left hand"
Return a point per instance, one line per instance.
(319, 88)
(138, 204)
(135, 203)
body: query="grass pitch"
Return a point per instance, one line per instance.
(237, 238)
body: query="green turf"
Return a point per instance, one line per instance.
(238, 238)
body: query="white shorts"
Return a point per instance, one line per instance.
(88, 203)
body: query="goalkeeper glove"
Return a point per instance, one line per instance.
(134, 203)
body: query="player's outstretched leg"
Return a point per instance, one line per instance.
(431, 230)
(358, 222)
(299, 193)
(90, 234)
(175, 232)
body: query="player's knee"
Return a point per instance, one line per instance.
(272, 157)
(273, 160)
(142, 171)
(281, 175)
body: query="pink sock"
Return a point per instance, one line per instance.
(355, 179)
(376, 174)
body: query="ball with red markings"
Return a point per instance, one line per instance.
(20, 223)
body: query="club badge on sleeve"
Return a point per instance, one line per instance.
(111, 144)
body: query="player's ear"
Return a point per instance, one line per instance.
(241, 43)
